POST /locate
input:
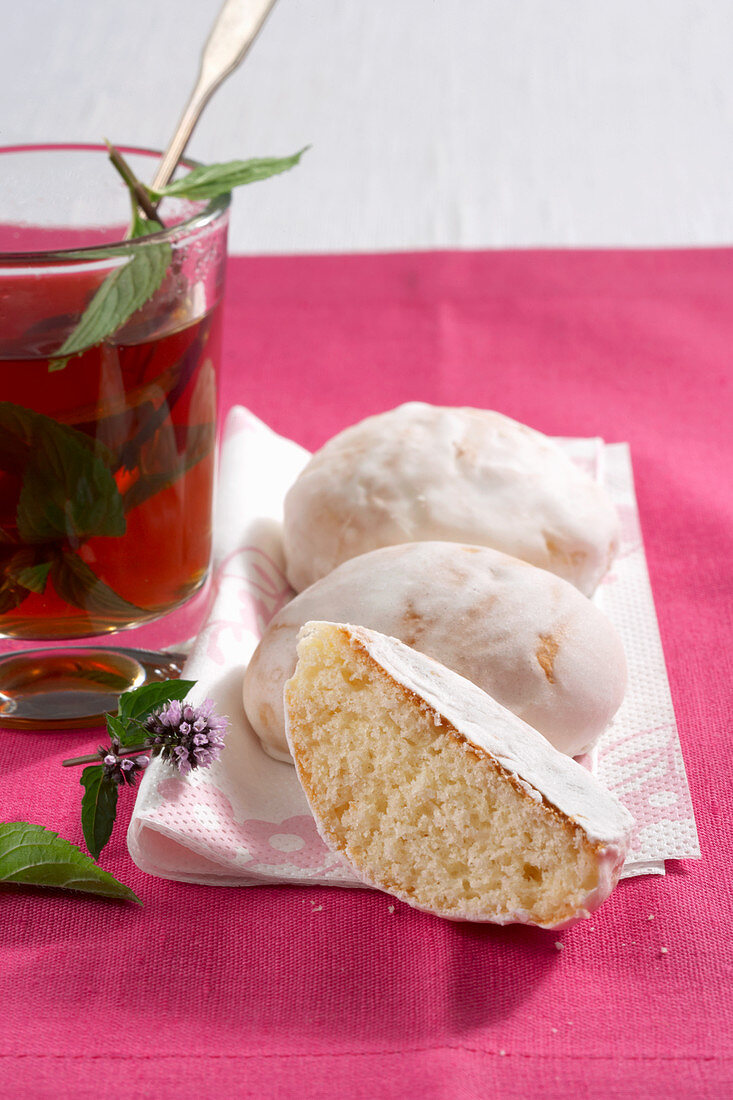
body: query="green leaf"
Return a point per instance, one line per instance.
(12, 594)
(121, 294)
(140, 226)
(118, 730)
(32, 577)
(31, 855)
(139, 702)
(58, 363)
(122, 730)
(25, 572)
(78, 585)
(98, 807)
(210, 180)
(68, 491)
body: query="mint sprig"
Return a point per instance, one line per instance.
(132, 284)
(183, 734)
(128, 736)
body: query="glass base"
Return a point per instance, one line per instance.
(64, 686)
(77, 686)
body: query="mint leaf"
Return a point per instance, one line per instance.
(118, 731)
(128, 735)
(138, 703)
(78, 585)
(128, 287)
(98, 807)
(32, 577)
(25, 572)
(68, 491)
(140, 226)
(31, 855)
(12, 594)
(210, 180)
(121, 294)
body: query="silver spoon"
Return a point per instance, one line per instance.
(236, 27)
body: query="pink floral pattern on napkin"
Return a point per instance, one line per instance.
(291, 843)
(255, 589)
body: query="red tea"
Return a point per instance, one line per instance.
(106, 478)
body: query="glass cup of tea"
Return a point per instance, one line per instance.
(107, 455)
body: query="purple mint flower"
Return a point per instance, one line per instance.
(121, 769)
(187, 736)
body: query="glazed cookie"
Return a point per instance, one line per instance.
(461, 475)
(522, 634)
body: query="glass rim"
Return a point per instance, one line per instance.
(213, 209)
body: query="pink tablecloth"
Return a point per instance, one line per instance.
(314, 992)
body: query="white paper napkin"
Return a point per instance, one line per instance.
(245, 820)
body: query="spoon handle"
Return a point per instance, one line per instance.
(236, 27)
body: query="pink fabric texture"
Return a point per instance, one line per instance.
(280, 991)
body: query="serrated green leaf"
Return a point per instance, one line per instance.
(11, 594)
(210, 180)
(32, 855)
(117, 728)
(140, 226)
(121, 294)
(24, 573)
(21, 428)
(98, 807)
(122, 730)
(139, 702)
(76, 583)
(32, 577)
(68, 491)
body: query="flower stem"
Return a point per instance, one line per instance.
(94, 758)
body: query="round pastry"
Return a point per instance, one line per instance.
(436, 794)
(522, 634)
(460, 475)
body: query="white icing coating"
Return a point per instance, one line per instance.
(525, 636)
(420, 472)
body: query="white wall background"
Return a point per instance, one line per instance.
(433, 123)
